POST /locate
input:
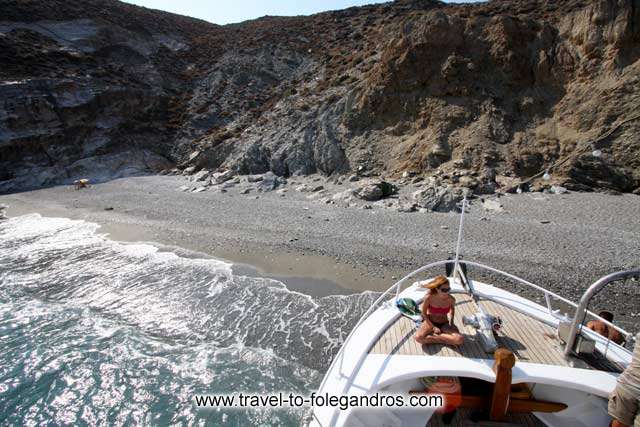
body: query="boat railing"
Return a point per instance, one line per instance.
(549, 296)
(396, 289)
(581, 309)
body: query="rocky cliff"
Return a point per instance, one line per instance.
(481, 96)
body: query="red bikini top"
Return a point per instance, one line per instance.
(438, 310)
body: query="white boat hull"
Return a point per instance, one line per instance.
(356, 371)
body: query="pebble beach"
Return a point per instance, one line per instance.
(562, 242)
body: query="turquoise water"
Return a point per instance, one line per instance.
(95, 332)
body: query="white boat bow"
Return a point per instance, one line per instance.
(381, 356)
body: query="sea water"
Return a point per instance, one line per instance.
(94, 331)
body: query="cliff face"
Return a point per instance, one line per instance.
(494, 92)
(86, 89)
(509, 94)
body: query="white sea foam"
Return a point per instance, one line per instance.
(136, 331)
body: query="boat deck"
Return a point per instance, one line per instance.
(463, 418)
(530, 340)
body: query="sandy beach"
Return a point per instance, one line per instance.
(561, 242)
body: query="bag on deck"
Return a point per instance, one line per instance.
(408, 307)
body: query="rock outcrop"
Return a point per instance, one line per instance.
(473, 95)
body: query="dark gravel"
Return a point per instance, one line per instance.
(561, 242)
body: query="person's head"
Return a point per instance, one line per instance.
(606, 315)
(438, 285)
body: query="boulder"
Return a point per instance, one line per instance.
(407, 206)
(375, 190)
(558, 189)
(387, 188)
(254, 178)
(439, 198)
(369, 192)
(487, 187)
(220, 177)
(594, 172)
(575, 186)
(189, 170)
(203, 175)
(193, 156)
(270, 182)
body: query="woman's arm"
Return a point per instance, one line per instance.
(425, 307)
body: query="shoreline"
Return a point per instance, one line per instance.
(561, 242)
(312, 274)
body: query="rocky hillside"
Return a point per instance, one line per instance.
(478, 96)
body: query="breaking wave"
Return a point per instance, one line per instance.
(94, 331)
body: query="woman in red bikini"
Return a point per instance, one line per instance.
(436, 327)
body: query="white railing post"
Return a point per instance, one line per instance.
(459, 243)
(547, 298)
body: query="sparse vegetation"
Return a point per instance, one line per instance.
(428, 84)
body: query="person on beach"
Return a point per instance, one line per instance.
(437, 327)
(624, 401)
(600, 327)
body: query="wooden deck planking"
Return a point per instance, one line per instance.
(529, 339)
(461, 419)
(526, 340)
(403, 330)
(406, 330)
(472, 345)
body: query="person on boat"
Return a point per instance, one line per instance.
(437, 327)
(600, 327)
(624, 401)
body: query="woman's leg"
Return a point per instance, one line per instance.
(424, 331)
(450, 336)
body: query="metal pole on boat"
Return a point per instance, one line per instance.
(581, 311)
(455, 266)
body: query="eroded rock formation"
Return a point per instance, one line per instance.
(474, 95)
